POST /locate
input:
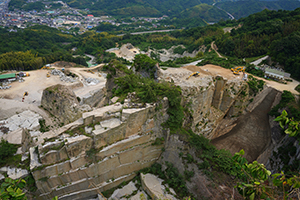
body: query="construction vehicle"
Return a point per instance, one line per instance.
(91, 71)
(193, 74)
(48, 75)
(25, 94)
(23, 74)
(45, 67)
(237, 70)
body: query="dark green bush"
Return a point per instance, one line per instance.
(7, 151)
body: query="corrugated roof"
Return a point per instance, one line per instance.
(274, 71)
(5, 76)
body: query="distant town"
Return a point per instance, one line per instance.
(69, 20)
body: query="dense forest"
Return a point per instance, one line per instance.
(241, 9)
(42, 45)
(269, 32)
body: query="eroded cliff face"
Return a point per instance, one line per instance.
(209, 97)
(99, 151)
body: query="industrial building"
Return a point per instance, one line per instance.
(8, 77)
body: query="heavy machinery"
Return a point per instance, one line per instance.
(45, 67)
(25, 94)
(193, 74)
(48, 75)
(237, 70)
(24, 74)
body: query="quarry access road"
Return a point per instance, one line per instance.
(252, 131)
(213, 46)
(145, 32)
(11, 99)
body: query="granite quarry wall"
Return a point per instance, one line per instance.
(97, 152)
(107, 145)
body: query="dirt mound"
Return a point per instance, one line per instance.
(251, 133)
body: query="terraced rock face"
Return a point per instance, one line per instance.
(77, 162)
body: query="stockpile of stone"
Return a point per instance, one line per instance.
(62, 76)
(26, 119)
(92, 81)
(5, 87)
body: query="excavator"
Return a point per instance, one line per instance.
(45, 67)
(48, 75)
(91, 71)
(237, 70)
(196, 74)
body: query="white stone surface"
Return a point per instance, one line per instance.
(100, 112)
(34, 159)
(98, 127)
(24, 157)
(114, 99)
(76, 139)
(14, 137)
(140, 196)
(3, 169)
(111, 123)
(15, 173)
(88, 129)
(126, 190)
(26, 119)
(153, 186)
(34, 133)
(19, 150)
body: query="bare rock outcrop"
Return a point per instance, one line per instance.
(61, 102)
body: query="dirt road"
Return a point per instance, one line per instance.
(214, 48)
(11, 99)
(252, 132)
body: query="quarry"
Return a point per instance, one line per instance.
(80, 141)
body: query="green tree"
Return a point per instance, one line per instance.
(12, 189)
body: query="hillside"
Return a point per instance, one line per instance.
(268, 32)
(245, 8)
(203, 11)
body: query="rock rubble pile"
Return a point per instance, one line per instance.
(26, 119)
(62, 76)
(92, 81)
